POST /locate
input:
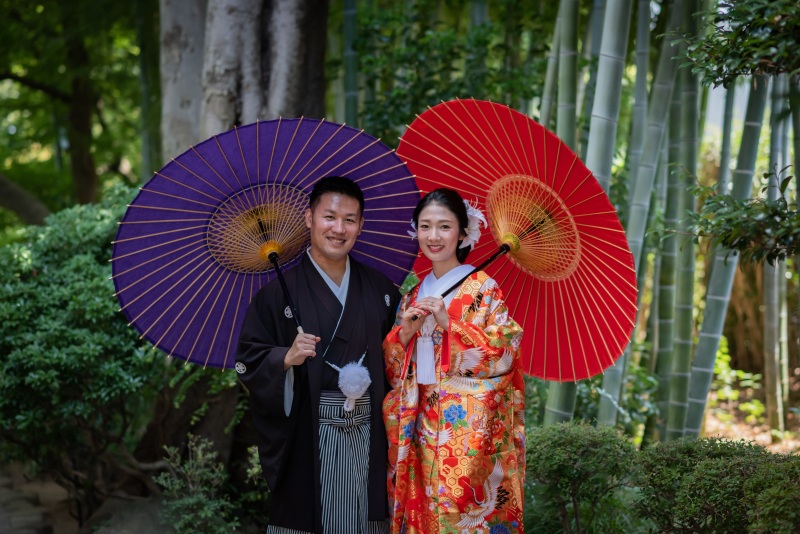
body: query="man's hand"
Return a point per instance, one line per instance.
(304, 346)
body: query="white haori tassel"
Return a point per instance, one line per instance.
(426, 360)
(353, 381)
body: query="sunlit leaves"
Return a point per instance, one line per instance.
(747, 37)
(757, 229)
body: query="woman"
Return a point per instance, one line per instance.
(454, 416)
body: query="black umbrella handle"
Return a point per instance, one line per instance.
(273, 258)
(504, 248)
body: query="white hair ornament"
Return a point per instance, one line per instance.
(413, 231)
(475, 219)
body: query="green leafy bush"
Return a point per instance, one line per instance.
(576, 475)
(75, 381)
(711, 498)
(194, 489)
(772, 495)
(677, 479)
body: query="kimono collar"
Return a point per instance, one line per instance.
(433, 287)
(339, 291)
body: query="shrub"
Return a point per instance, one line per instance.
(75, 381)
(194, 489)
(711, 497)
(772, 495)
(666, 470)
(576, 473)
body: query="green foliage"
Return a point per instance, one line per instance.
(36, 92)
(747, 37)
(638, 399)
(535, 400)
(412, 57)
(755, 228)
(772, 494)
(575, 474)
(711, 498)
(253, 498)
(728, 383)
(75, 381)
(634, 407)
(669, 474)
(194, 490)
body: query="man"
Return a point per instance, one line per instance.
(325, 465)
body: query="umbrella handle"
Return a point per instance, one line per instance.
(273, 258)
(502, 250)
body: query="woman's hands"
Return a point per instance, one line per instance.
(420, 309)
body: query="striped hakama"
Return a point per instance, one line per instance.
(344, 459)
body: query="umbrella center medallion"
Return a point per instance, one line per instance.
(533, 220)
(249, 225)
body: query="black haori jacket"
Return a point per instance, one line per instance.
(289, 446)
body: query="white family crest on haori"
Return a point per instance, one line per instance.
(288, 312)
(353, 381)
(387, 299)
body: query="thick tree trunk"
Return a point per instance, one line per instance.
(316, 38)
(226, 91)
(28, 208)
(294, 58)
(79, 122)
(287, 55)
(182, 24)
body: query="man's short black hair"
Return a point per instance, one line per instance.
(336, 184)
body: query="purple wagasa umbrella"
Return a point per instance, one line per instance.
(191, 250)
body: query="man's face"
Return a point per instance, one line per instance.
(335, 223)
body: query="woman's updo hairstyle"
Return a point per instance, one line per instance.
(451, 200)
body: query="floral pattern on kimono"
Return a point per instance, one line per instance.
(457, 447)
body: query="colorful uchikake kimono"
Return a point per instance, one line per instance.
(457, 446)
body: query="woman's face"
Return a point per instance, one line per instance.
(438, 233)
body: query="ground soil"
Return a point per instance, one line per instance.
(725, 421)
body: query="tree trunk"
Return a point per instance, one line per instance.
(350, 63)
(660, 98)
(562, 395)
(772, 361)
(684, 291)
(655, 429)
(150, 84)
(794, 106)
(25, 205)
(82, 104)
(724, 268)
(316, 38)
(600, 148)
(596, 32)
(724, 176)
(639, 119)
(182, 24)
(546, 105)
(295, 60)
(227, 92)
